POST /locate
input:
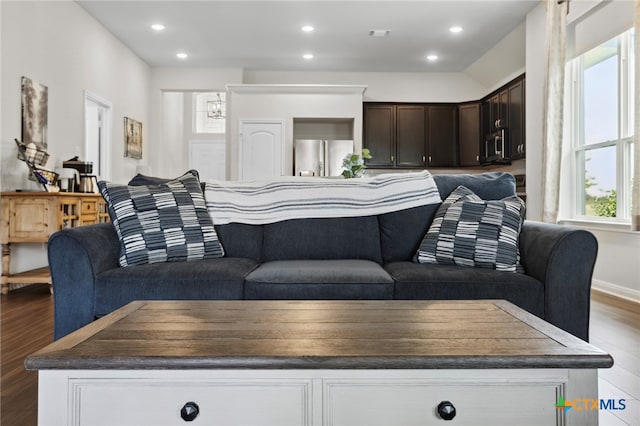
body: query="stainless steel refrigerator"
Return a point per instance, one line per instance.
(318, 157)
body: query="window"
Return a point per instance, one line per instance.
(209, 112)
(603, 132)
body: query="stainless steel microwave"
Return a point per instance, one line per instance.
(496, 148)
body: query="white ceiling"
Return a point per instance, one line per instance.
(266, 35)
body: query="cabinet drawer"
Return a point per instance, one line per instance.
(89, 207)
(416, 403)
(159, 402)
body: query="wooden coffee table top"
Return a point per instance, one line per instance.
(390, 334)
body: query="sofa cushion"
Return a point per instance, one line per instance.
(488, 186)
(144, 180)
(241, 240)
(319, 279)
(211, 279)
(450, 282)
(402, 231)
(468, 231)
(326, 238)
(140, 179)
(163, 222)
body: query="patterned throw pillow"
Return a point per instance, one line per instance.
(469, 231)
(167, 222)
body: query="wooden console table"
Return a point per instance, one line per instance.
(374, 363)
(31, 217)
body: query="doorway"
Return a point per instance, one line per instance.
(97, 134)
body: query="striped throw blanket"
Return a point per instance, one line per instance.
(278, 199)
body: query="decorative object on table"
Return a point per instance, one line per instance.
(83, 179)
(132, 138)
(36, 159)
(353, 164)
(35, 97)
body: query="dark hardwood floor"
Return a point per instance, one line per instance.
(27, 323)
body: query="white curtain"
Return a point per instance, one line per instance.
(635, 201)
(553, 107)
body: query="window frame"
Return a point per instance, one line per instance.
(195, 111)
(623, 143)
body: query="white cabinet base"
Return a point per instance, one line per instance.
(314, 397)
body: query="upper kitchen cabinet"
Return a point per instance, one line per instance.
(516, 120)
(395, 135)
(443, 136)
(469, 133)
(418, 135)
(379, 134)
(504, 109)
(410, 136)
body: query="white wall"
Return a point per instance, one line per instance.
(61, 46)
(618, 266)
(535, 66)
(385, 86)
(508, 56)
(1, 97)
(169, 156)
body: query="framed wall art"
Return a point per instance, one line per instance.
(35, 98)
(132, 138)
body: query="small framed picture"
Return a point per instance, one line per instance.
(132, 138)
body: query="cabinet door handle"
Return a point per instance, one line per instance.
(392, 158)
(189, 411)
(429, 159)
(424, 159)
(446, 410)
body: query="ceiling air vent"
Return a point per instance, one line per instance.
(379, 33)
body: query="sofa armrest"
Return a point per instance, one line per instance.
(562, 258)
(76, 257)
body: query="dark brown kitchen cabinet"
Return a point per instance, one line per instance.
(498, 112)
(395, 135)
(517, 120)
(507, 106)
(380, 134)
(442, 136)
(469, 134)
(410, 136)
(418, 135)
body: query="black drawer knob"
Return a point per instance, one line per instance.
(446, 410)
(189, 411)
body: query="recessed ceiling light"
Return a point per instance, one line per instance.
(432, 57)
(455, 29)
(181, 55)
(157, 27)
(308, 56)
(379, 33)
(307, 28)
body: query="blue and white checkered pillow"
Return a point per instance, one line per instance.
(469, 231)
(167, 222)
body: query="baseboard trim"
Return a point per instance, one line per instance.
(625, 296)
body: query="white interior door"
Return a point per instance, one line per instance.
(97, 134)
(261, 149)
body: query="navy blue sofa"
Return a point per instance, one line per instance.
(341, 258)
